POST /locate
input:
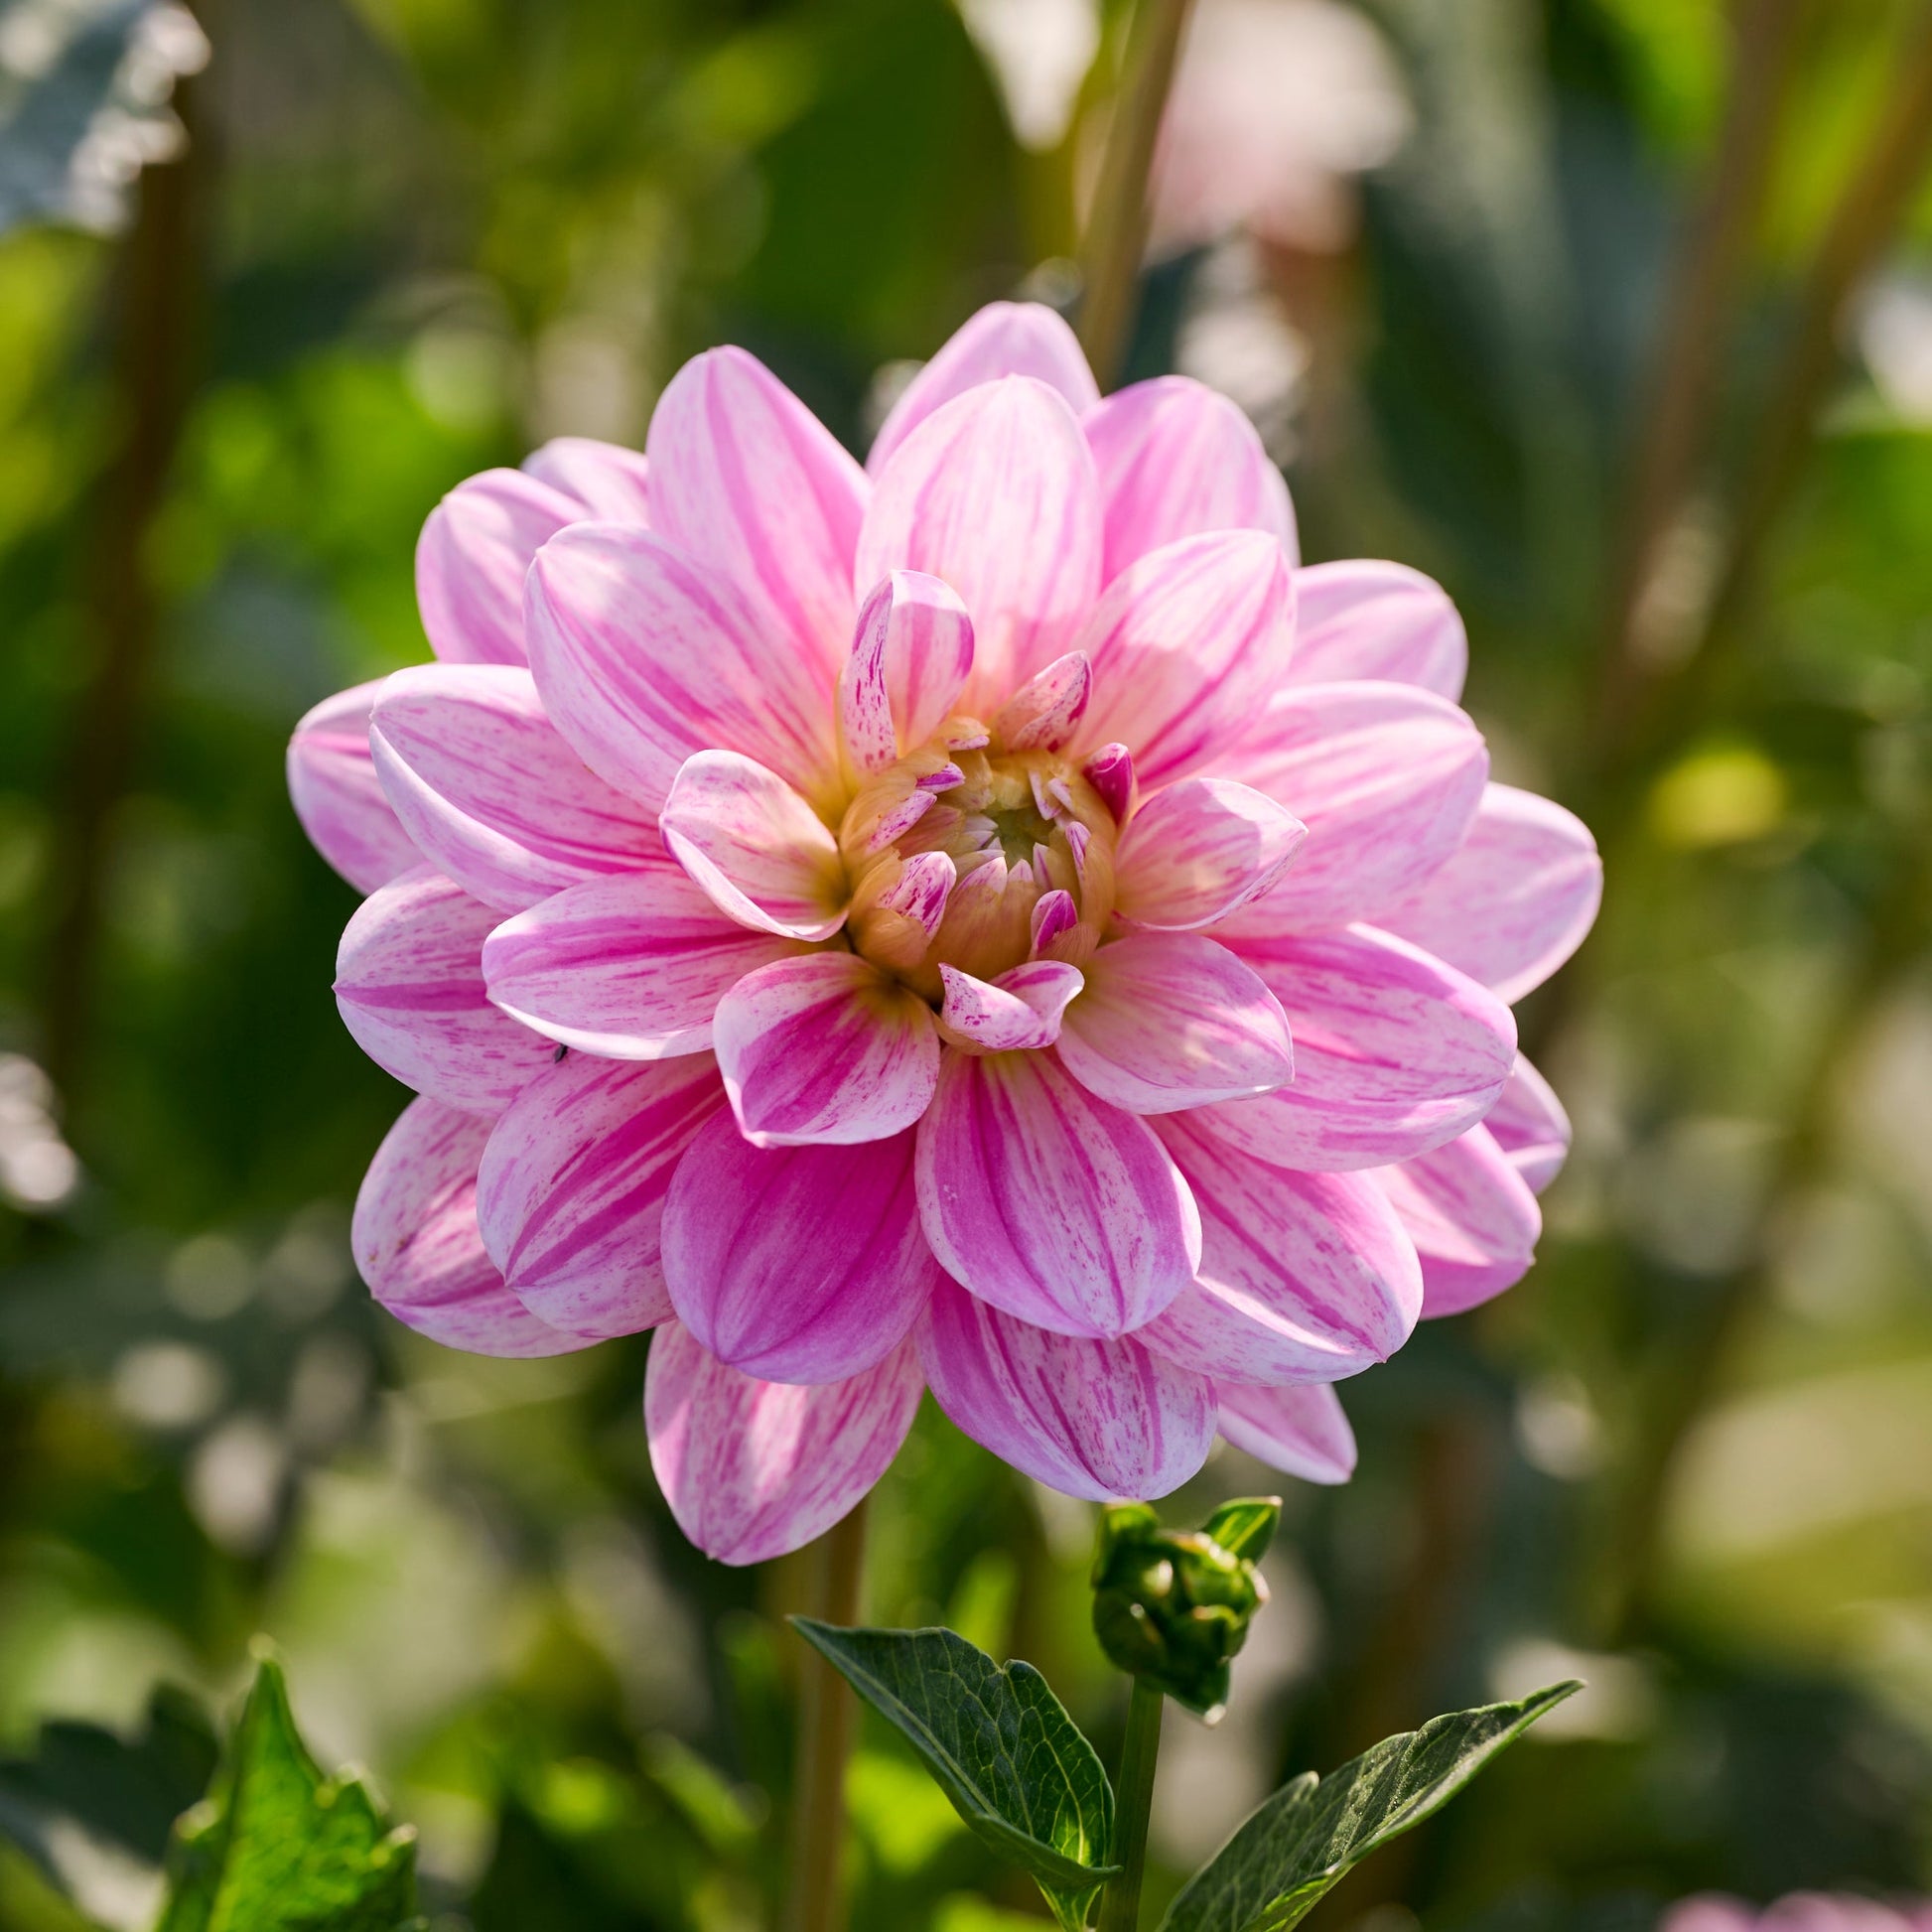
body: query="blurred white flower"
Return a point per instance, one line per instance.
(38, 1170)
(1894, 328)
(1040, 51)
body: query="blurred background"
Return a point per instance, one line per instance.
(1613, 314)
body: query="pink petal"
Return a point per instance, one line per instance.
(1304, 1277)
(472, 558)
(749, 484)
(1171, 1019)
(1020, 1010)
(1710, 1912)
(1394, 1053)
(755, 1469)
(1530, 1126)
(1053, 916)
(1471, 1216)
(1301, 1432)
(825, 1048)
(415, 1240)
(912, 656)
(1003, 338)
(762, 853)
(1364, 619)
(1176, 458)
(1194, 853)
(995, 493)
(1187, 646)
(605, 477)
(410, 987)
(338, 797)
(1049, 1204)
(1110, 772)
(1042, 713)
(797, 1263)
(644, 658)
(1091, 1417)
(571, 1194)
(1387, 779)
(490, 792)
(629, 968)
(1514, 899)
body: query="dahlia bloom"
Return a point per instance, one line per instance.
(1804, 1911)
(984, 921)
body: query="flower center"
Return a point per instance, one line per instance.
(968, 855)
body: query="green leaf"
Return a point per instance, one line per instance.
(1269, 1873)
(999, 1744)
(1246, 1526)
(276, 1846)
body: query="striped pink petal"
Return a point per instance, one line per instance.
(472, 558)
(1710, 1912)
(605, 477)
(825, 1048)
(1394, 1053)
(415, 1240)
(1048, 1202)
(1301, 1432)
(1002, 338)
(1022, 1009)
(338, 797)
(995, 493)
(1530, 1126)
(753, 1469)
(571, 1193)
(1195, 852)
(912, 656)
(1090, 1418)
(1044, 713)
(1171, 1019)
(410, 987)
(489, 792)
(1187, 646)
(1383, 621)
(1471, 1216)
(797, 1263)
(1176, 458)
(1514, 899)
(630, 968)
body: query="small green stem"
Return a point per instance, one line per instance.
(1120, 1904)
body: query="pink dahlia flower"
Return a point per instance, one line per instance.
(1804, 1911)
(984, 921)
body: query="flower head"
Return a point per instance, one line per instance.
(987, 921)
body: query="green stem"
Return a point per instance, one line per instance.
(814, 1901)
(1120, 1904)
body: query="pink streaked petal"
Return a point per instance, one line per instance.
(1020, 1010)
(1003, 338)
(995, 493)
(762, 854)
(825, 1048)
(605, 477)
(1194, 853)
(1304, 1277)
(338, 797)
(472, 558)
(571, 1193)
(1394, 1053)
(629, 968)
(1530, 1126)
(912, 656)
(1187, 646)
(1387, 779)
(410, 988)
(755, 1469)
(920, 890)
(488, 790)
(1042, 714)
(1171, 1019)
(1301, 1432)
(1054, 915)
(644, 658)
(1514, 899)
(1110, 772)
(1176, 458)
(416, 1242)
(1048, 1202)
(1366, 619)
(1100, 1419)
(1471, 1216)
(797, 1263)
(1710, 1912)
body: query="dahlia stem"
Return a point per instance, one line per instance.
(814, 1901)
(1120, 1903)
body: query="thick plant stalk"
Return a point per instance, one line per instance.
(814, 1901)
(1117, 224)
(1120, 1903)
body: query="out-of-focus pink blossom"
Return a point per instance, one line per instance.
(1805, 1911)
(987, 922)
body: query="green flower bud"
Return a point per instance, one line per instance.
(1173, 1607)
